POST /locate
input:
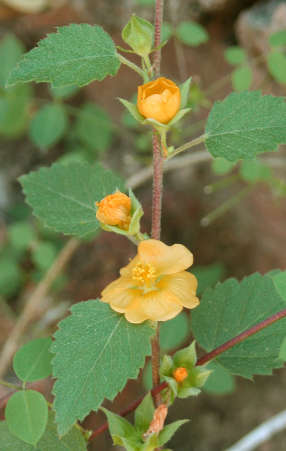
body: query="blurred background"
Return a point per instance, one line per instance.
(232, 217)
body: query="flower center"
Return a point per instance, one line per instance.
(144, 274)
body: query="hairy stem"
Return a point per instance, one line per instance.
(187, 146)
(204, 359)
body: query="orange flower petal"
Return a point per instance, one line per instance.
(135, 314)
(183, 285)
(160, 305)
(119, 294)
(165, 259)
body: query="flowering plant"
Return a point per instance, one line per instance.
(104, 342)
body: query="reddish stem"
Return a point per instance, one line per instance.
(204, 359)
(159, 9)
(157, 188)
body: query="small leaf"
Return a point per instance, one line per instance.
(43, 255)
(167, 433)
(235, 55)
(14, 111)
(278, 38)
(239, 306)
(220, 381)
(10, 51)
(246, 124)
(48, 126)
(26, 414)
(33, 360)
(94, 127)
(276, 62)
(75, 55)
(10, 277)
(50, 441)
(144, 413)
(241, 78)
(191, 33)
(67, 206)
(97, 351)
(21, 235)
(254, 171)
(221, 166)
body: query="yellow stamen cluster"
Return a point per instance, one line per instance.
(180, 374)
(143, 273)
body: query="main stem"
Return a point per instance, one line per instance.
(157, 191)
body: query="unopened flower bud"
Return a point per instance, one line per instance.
(138, 33)
(180, 374)
(159, 99)
(114, 210)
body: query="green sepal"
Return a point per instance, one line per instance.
(136, 214)
(144, 413)
(151, 443)
(170, 394)
(185, 392)
(179, 116)
(118, 426)
(133, 110)
(138, 34)
(167, 433)
(185, 91)
(186, 356)
(166, 365)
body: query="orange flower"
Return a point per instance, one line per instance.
(159, 99)
(154, 285)
(180, 374)
(115, 210)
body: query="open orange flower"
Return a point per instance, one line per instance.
(154, 285)
(159, 99)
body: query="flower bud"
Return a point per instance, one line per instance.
(115, 210)
(138, 34)
(159, 99)
(180, 374)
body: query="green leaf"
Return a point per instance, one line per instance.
(235, 55)
(10, 277)
(282, 352)
(10, 51)
(94, 127)
(279, 281)
(75, 55)
(50, 441)
(26, 414)
(67, 206)
(14, 111)
(48, 126)
(33, 360)
(144, 413)
(174, 332)
(63, 92)
(241, 78)
(208, 275)
(167, 433)
(43, 255)
(220, 381)
(254, 171)
(276, 62)
(278, 38)
(221, 166)
(117, 425)
(21, 234)
(246, 124)
(231, 308)
(191, 33)
(97, 351)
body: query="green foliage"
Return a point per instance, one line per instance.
(21, 235)
(241, 78)
(94, 127)
(246, 124)
(14, 111)
(235, 55)
(10, 51)
(276, 62)
(185, 91)
(279, 281)
(282, 352)
(221, 166)
(10, 276)
(75, 55)
(174, 332)
(144, 413)
(191, 33)
(50, 441)
(170, 430)
(43, 255)
(63, 196)
(208, 275)
(254, 171)
(33, 360)
(48, 125)
(26, 414)
(166, 32)
(63, 92)
(231, 308)
(220, 381)
(97, 351)
(278, 38)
